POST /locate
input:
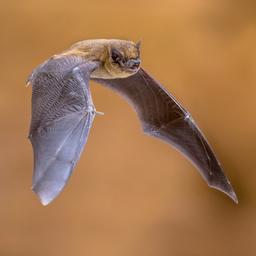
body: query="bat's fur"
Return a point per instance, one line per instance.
(99, 50)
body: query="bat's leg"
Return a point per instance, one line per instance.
(99, 113)
(93, 110)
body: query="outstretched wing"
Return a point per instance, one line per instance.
(62, 115)
(163, 117)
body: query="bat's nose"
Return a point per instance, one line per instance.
(133, 63)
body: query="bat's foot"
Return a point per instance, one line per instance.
(99, 113)
(93, 110)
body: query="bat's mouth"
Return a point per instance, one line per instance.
(132, 65)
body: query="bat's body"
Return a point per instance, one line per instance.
(63, 112)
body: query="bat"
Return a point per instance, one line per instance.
(63, 112)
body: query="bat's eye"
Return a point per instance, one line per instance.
(116, 56)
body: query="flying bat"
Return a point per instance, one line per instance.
(63, 112)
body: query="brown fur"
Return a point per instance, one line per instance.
(99, 50)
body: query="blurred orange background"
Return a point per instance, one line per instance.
(132, 194)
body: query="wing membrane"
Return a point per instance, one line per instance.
(62, 115)
(163, 117)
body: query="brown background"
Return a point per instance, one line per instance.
(131, 194)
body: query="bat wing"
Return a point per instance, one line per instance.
(62, 115)
(163, 117)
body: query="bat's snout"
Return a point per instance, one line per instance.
(133, 64)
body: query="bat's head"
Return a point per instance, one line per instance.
(118, 58)
(123, 58)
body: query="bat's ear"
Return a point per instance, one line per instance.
(138, 45)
